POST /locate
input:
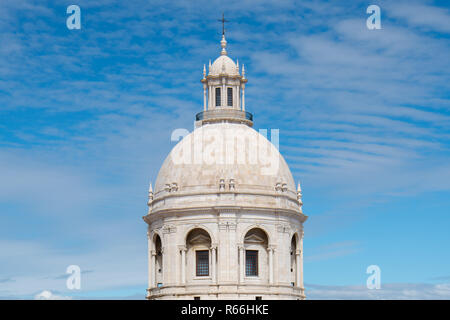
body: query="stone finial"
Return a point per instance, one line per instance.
(299, 195)
(150, 194)
(232, 185)
(204, 71)
(243, 71)
(209, 67)
(278, 186)
(222, 185)
(223, 44)
(237, 66)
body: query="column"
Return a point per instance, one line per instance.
(298, 270)
(213, 263)
(235, 90)
(241, 264)
(153, 269)
(223, 96)
(204, 97)
(301, 261)
(183, 264)
(210, 97)
(270, 250)
(238, 95)
(150, 266)
(243, 97)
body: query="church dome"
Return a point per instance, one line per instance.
(224, 162)
(223, 65)
(225, 158)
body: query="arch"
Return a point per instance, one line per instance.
(213, 240)
(257, 226)
(153, 236)
(295, 236)
(255, 258)
(198, 261)
(157, 256)
(293, 248)
(198, 235)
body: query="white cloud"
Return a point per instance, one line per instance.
(421, 15)
(400, 291)
(48, 295)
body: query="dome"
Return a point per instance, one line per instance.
(228, 157)
(224, 64)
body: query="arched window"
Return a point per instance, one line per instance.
(198, 244)
(256, 243)
(293, 266)
(202, 263)
(251, 263)
(218, 98)
(159, 261)
(230, 97)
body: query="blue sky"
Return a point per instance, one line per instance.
(86, 117)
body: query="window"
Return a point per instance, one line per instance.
(218, 97)
(230, 97)
(202, 258)
(251, 262)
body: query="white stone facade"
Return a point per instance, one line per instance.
(225, 220)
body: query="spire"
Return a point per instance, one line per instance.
(299, 195)
(223, 44)
(237, 66)
(150, 194)
(243, 71)
(209, 67)
(204, 71)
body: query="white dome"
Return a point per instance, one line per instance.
(233, 152)
(223, 64)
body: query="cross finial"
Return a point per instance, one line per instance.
(223, 20)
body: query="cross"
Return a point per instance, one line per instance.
(223, 20)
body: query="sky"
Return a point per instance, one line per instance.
(86, 117)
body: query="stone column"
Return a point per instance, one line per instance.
(153, 269)
(270, 251)
(204, 97)
(210, 97)
(298, 269)
(227, 254)
(301, 261)
(241, 264)
(238, 95)
(150, 268)
(224, 100)
(183, 264)
(213, 263)
(243, 97)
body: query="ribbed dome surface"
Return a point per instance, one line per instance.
(224, 65)
(224, 151)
